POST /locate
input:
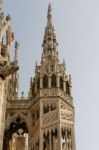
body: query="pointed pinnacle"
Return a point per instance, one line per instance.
(16, 45)
(16, 50)
(49, 15)
(49, 8)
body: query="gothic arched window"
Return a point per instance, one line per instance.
(53, 107)
(45, 81)
(61, 83)
(53, 80)
(45, 108)
(67, 88)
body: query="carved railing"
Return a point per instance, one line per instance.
(67, 117)
(50, 118)
(55, 92)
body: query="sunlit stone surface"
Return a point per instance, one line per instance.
(45, 119)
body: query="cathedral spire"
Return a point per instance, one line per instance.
(50, 45)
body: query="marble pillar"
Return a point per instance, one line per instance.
(2, 111)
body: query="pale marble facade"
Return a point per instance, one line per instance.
(44, 120)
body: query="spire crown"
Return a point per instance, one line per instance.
(49, 15)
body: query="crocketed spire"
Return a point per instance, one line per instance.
(49, 42)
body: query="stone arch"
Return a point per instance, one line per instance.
(53, 81)
(45, 81)
(18, 127)
(45, 108)
(53, 106)
(61, 82)
(19, 114)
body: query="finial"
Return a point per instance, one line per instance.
(36, 63)
(31, 81)
(16, 45)
(70, 79)
(22, 95)
(8, 18)
(49, 7)
(63, 61)
(16, 51)
(49, 15)
(64, 65)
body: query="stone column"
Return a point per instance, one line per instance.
(2, 111)
(49, 82)
(66, 139)
(73, 139)
(50, 141)
(58, 141)
(59, 130)
(41, 140)
(41, 83)
(26, 141)
(58, 83)
(54, 144)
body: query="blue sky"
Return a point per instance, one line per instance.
(77, 28)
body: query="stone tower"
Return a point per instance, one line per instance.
(45, 119)
(52, 109)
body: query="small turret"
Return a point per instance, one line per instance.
(15, 77)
